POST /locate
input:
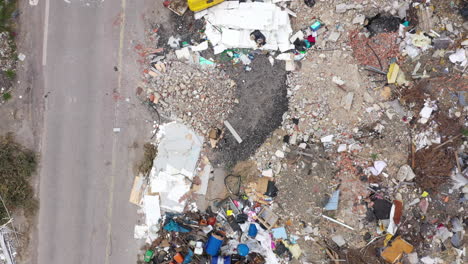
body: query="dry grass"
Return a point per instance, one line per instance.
(17, 164)
(145, 165)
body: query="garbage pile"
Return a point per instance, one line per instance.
(229, 235)
(370, 163)
(238, 229)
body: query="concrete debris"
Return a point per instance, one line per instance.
(337, 80)
(426, 111)
(343, 8)
(359, 19)
(405, 173)
(7, 61)
(201, 98)
(334, 36)
(342, 147)
(347, 101)
(459, 57)
(339, 240)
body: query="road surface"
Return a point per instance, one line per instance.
(90, 78)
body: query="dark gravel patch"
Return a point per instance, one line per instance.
(262, 102)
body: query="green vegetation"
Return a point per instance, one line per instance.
(17, 164)
(11, 74)
(146, 163)
(6, 96)
(374, 156)
(465, 132)
(7, 7)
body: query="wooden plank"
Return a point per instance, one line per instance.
(135, 195)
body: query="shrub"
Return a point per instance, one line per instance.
(17, 164)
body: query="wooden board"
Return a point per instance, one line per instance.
(135, 195)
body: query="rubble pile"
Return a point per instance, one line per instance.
(7, 59)
(369, 164)
(201, 97)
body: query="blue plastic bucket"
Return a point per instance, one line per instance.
(213, 245)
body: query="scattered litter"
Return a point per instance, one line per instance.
(395, 252)
(233, 132)
(327, 139)
(21, 57)
(339, 240)
(200, 47)
(378, 167)
(333, 202)
(337, 222)
(279, 233)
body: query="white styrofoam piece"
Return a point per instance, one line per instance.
(237, 20)
(205, 177)
(200, 47)
(174, 166)
(152, 209)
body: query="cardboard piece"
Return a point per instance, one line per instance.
(394, 253)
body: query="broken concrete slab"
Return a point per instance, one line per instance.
(339, 240)
(359, 19)
(347, 100)
(405, 173)
(334, 36)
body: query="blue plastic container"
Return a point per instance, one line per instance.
(252, 231)
(315, 26)
(213, 245)
(243, 250)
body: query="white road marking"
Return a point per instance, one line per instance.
(33, 2)
(114, 142)
(46, 32)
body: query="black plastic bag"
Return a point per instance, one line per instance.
(272, 190)
(309, 3)
(258, 37)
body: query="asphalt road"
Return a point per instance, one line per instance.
(86, 167)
